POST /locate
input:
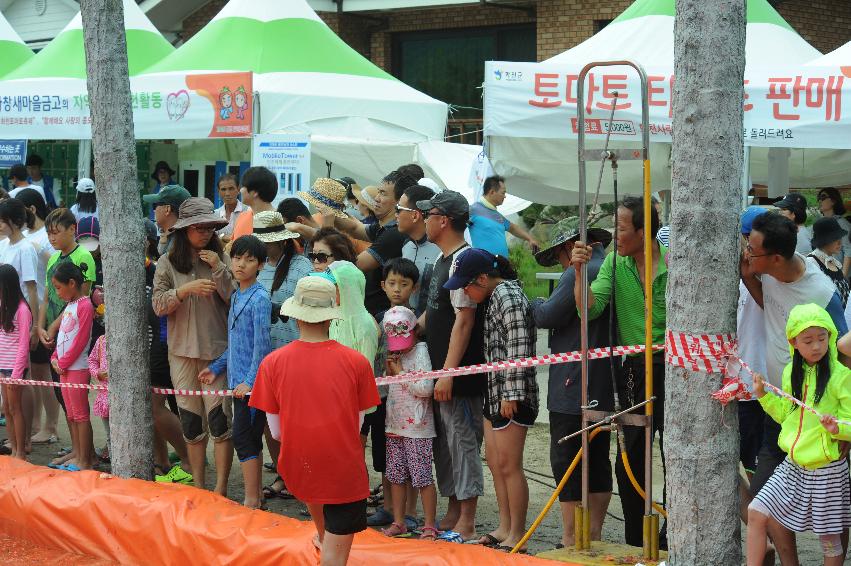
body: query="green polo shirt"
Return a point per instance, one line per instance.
(629, 298)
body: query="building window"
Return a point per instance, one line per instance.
(449, 65)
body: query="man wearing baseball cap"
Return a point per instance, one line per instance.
(794, 207)
(455, 337)
(166, 203)
(321, 458)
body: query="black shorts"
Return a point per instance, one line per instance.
(561, 456)
(248, 425)
(770, 455)
(373, 426)
(751, 424)
(523, 416)
(40, 355)
(345, 518)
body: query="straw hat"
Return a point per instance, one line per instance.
(366, 196)
(327, 193)
(567, 230)
(314, 300)
(198, 210)
(269, 227)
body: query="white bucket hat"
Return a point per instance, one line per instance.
(314, 300)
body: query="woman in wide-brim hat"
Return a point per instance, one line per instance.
(192, 287)
(162, 166)
(828, 236)
(366, 202)
(327, 194)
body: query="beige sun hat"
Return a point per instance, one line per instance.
(327, 193)
(269, 227)
(366, 196)
(198, 210)
(314, 300)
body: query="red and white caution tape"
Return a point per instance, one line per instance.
(545, 360)
(699, 352)
(103, 387)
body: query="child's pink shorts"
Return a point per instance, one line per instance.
(76, 400)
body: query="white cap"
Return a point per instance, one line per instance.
(85, 185)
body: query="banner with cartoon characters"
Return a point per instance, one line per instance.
(794, 107)
(165, 106)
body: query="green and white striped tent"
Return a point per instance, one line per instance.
(13, 51)
(644, 32)
(308, 79)
(65, 56)
(543, 168)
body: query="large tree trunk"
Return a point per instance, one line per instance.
(702, 453)
(122, 239)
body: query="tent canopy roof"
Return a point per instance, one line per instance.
(13, 51)
(267, 36)
(839, 57)
(65, 55)
(644, 32)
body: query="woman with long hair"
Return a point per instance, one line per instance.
(87, 200)
(831, 205)
(44, 430)
(192, 286)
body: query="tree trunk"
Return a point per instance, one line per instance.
(122, 241)
(701, 452)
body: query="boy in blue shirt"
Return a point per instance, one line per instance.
(249, 341)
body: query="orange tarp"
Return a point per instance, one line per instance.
(138, 522)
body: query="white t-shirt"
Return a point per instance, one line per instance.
(14, 192)
(804, 245)
(42, 246)
(23, 257)
(75, 210)
(750, 328)
(778, 301)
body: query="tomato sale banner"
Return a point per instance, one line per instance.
(165, 106)
(795, 107)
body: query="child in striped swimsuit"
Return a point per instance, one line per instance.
(810, 490)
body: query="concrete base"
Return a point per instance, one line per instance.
(602, 553)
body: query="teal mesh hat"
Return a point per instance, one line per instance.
(567, 230)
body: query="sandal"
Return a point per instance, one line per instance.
(396, 530)
(489, 541)
(429, 533)
(270, 492)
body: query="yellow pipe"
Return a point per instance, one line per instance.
(637, 487)
(553, 497)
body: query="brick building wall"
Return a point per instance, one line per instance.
(825, 24)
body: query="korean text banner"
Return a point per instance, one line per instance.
(167, 106)
(12, 152)
(796, 107)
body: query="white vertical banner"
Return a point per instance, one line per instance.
(288, 157)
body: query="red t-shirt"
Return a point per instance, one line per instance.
(318, 388)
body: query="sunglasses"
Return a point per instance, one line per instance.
(429, 214)
(321, 257)
(404, 208)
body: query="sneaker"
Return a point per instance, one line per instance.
(178, 475)
(380, 518)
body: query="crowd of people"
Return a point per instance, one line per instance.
(297, 313)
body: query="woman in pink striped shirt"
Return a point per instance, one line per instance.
(15, 324)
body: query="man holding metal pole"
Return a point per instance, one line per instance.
(629, 280)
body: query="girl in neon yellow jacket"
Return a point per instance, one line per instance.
(810, 489)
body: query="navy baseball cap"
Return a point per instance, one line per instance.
(468, 265)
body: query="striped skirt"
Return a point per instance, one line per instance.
(809, 500)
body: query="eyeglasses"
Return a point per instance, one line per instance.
(823, 196)
(203, 228)
(749, 249)
(405, 208)
(321, 257)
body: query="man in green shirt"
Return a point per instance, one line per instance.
(627, 271)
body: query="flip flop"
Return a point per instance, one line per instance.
(510, 548)
(52, 440)
(69, 467)
(490, 541)
(55, 466)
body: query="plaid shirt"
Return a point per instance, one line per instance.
(510, 334)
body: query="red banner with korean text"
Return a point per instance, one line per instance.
(800, 107)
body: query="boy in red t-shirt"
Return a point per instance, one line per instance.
(317, 415)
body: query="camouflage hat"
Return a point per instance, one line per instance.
(567, 230)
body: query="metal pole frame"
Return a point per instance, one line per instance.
(648, 265)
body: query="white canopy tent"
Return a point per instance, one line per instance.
(540, 157)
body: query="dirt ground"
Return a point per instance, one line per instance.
(541, 486)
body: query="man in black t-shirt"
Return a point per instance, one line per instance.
(454, 334)
(386, 239)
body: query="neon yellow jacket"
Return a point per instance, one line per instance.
(802, 436)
